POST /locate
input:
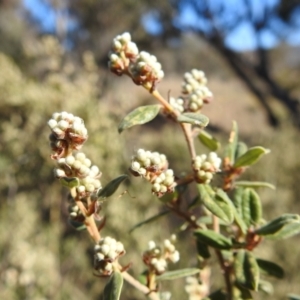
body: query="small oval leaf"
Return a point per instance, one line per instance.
(210, 202)
(288, 230)
(250, 157)
(112, 290)
(171, 275)
(241, 148)
(266, 287)
(255, 207)
(208, 141)
(194, 119)
(69, 182)
(213, 239)
(270, 268)
(275, 225)
(139, 116)
(111, 187)
(254, 184)
(253, 270)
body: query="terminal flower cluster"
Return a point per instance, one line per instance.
(125, 58)
(81, 167)
(195, 92)
(154, 167)
(157, 258)
(106, 252)
(68, 133)
(205, 166)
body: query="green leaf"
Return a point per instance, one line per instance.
(251, 209)
(240, 222)
(213, 239)
(245, 207)
(111, 187)
(246, 270)
(202, 249)
(255, 207)
(194, 119)
(288, 230)
(241, 148)
(230, 150)
(149, 220)
(79, 226)
(250, 157)
(277, 224)
(171, 275)
(270, 268)
(209, 201)
(69, 182)
(254, 184)
(226, 204)
(140, 115)
(293, 297)
(208, 141)
(266, 287)
(112, 290)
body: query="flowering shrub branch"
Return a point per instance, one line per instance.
(230, 221)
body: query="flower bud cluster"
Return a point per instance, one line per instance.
(123, 51)
(146, 69)
(106, 252)
(177, 104)
(68, 132)
(81, 167)
(194, 86)
(153, 166)
(125, 58)
(205, 166)
(157, 258)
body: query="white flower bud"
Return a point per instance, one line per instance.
(59, 173)
(52, 123)
(135, 166)
(63, 125)
(80, 156)
(80, 189)
(151, 245)
(105, 249)
(70, 160)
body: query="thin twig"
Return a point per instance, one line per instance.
(142, 288)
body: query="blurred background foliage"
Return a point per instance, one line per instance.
(63, 67)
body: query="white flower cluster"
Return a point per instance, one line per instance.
(163, 183)
(205, 166)
(80, 166)
(153, 167)
(177, 104)
(123, 51)
(157, 258)
(146, 69)
(66, 127)
(105, 253)
(124, 57)
(146, 162)
(194, 85)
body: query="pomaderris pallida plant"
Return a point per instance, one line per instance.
(230, 223)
